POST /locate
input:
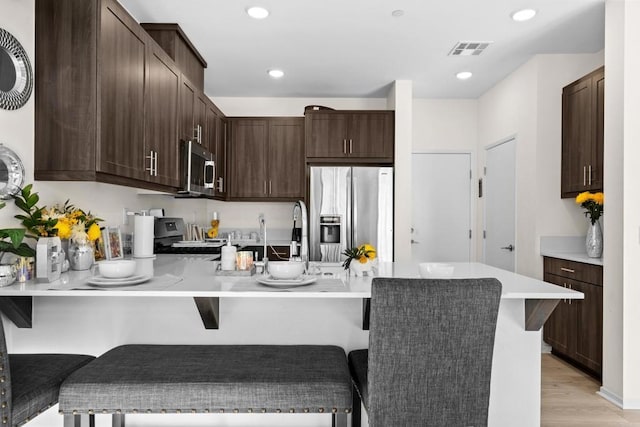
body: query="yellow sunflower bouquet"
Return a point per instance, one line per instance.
(363, 254)
(593, 203)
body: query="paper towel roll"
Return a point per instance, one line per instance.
(228, 258)
(143, 236)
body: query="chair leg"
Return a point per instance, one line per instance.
(339, 420)
(117, 420)
(79, 420)
(355, 412)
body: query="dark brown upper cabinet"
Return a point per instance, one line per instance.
(349, 136)
(583, 135)
(179, 48)
(267, 158)
(216, 139)
(97, 123)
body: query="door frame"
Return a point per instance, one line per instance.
(514, 138)
(473, 195)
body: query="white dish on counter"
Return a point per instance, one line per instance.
(125, 281)
(286, 283)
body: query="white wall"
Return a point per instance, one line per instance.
(445, 125)
(527, 105)
(621, 358)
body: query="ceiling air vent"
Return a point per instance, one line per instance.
(468, 48)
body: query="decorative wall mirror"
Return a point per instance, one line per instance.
(11, 173)
(16, 76)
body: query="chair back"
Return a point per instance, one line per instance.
(5, 380)
(430, 351)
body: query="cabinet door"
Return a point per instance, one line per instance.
(326, 135)
(161, 119)
(371, 135)
(577, 133)
(560, 328)
(121, 94)
(589, 326)
(285, 161)
(248, 153)
(597, 148)
(200, 120)
(186, 111)
(210, 132)
(222, 158)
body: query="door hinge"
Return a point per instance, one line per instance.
(470, 174)
(485, 171)
(484, 234)
(469, 233)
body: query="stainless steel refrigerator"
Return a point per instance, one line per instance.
(350, 206)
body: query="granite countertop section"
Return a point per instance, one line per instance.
(571, 248)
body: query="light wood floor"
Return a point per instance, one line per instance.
(569, 399)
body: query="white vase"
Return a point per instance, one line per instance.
(359, 269)
(594, 240)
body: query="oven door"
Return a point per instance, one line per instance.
(199, 170)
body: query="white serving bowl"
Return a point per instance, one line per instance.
(285, 270)
(117, 268)
(435, 270)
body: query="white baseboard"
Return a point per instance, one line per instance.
(611, 397)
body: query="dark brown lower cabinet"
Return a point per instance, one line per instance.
(574, 329)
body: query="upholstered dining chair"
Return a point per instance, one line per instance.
(430, 351)
(29, 383)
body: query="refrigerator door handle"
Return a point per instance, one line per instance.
(354, 209)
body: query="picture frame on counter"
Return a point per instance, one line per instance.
(112, 238)
(100, 251)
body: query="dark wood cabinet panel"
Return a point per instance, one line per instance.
(574, 329)
(248, 169)
(161, 120)
(100, 94)
(361, 136)
(177, 45)
(187, 110)
(589, 326)
(583, 135)
(222, 156)
(267, 158)
(285, 158)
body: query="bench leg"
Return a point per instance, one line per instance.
(117, 420)
(339, 420)
(355, 411)
(80, 420)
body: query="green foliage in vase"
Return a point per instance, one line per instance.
(15, 244)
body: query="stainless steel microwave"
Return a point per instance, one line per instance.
(197, 171)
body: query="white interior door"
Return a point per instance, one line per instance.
(441, 223)
(500, 206)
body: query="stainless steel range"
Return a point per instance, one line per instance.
(169, 239)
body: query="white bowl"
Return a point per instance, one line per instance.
(117, 269)
(435, 270)
(285, 270)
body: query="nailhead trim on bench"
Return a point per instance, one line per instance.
(204, 411)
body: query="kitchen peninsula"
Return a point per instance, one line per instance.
(515, 382)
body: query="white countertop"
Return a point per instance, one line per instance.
(570, 248)
(194, 276)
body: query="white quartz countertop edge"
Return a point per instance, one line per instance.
(572, 256)
(199, 280)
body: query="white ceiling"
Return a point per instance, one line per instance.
(356, 48)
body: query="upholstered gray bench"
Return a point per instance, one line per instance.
(138, 379)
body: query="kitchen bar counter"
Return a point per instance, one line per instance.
(251, 313)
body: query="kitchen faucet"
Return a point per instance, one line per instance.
(300, 211)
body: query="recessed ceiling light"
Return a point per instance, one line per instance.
(397, 13)
(257, 12)
(464, 75)
(523, 15)
(276, 74)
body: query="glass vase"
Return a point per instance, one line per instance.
(80, 255)
(594, 240)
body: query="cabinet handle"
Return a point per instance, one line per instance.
(584, 176)
(155, 164)
(568, 270)
(265, 187)
(351, 146)
(269, 187)
(150, 157)
(220, 185)
(589, 175)
(571, 289)
(344, 146)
